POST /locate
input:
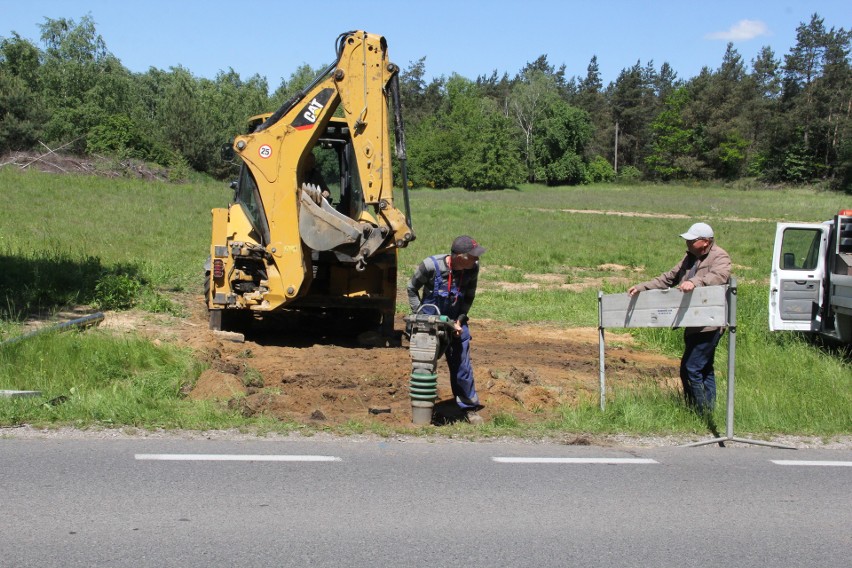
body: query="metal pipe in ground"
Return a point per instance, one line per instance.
(84, 321)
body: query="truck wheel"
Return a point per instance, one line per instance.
(215, 316)
(387, 324)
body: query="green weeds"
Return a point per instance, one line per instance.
(94, 378)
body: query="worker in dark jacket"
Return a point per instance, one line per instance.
(705, 264)
(448, 284)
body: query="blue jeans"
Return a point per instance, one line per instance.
(696, 370)
(461, 370)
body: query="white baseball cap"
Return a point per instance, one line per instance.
(698, 231)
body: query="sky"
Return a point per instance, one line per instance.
(472, 38)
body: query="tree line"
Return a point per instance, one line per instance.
(776, 120)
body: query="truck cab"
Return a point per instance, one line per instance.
(810, 287)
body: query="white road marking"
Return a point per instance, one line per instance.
(819, 463)
(576, 460)
(235, 457)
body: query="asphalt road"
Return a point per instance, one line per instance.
(343, 502)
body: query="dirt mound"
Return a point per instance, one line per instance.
(312, 376)
(523, 371)
(59, 162)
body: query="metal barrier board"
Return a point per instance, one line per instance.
(705, 306)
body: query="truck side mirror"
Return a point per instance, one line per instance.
(789, 260)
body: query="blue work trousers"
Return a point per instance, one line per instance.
(696, 370)
(461, 370)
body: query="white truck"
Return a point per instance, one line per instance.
(810, 289)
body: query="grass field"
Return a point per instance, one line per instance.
(115, 243)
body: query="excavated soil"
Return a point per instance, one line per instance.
(313, 376)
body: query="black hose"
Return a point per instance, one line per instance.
(289, 104)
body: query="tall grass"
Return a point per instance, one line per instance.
(531, 230)
(81, 239)
(94, 378)
(63, 237)
(160, 230)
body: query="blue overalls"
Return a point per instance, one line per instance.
(447, 297)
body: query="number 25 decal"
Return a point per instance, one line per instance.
(265, 151)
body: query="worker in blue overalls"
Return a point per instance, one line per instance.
(449, 283)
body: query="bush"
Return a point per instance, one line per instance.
(629, 174)
(569, 169)
(599, 170)
(179, 169)
(117, 136)
(152, 301)
(116, 292)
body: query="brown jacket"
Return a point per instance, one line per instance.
(712, 269)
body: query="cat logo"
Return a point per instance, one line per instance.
(310, 113)
(313, 108)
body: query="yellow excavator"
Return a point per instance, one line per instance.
(290, 243)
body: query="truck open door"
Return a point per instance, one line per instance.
(796, 289)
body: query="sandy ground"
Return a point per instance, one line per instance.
(522, 371)
(313, 377)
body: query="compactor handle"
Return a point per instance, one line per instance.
(432, 322)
